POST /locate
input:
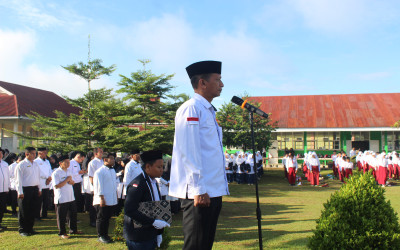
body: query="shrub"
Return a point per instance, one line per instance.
(119, 231)
(357, 217)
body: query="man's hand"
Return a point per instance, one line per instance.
(102, 201)
(48, 180)
(202, 200)
(40, 193)
(21, 196)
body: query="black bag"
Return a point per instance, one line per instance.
(242, 167)
(230, 165)
(235, 168)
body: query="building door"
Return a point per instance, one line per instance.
(362, 145)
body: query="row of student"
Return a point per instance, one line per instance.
(240, 167)
(383, 166)
(30, 182)
(311, 167)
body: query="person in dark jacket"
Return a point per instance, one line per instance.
(144, 188)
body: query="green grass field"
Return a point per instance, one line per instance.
(288, 218)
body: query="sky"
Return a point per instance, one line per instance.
(267, 48)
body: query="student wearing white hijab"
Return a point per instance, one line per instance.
(240, 170)
(250, 172)
(228, 168)
(291, 164)
(389, 159)
(358, 160)
(382, 173)
(259, 159)
(234, 167)
(315, 169)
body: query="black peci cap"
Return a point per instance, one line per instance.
(41, 149)
(63, 158)
(151, 155)
(204, 67)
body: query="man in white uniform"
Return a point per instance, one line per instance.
(64, 199)
(76, 174)
(105, 196)
(94, 164)
(29, 188)
(45, 180)
(4, 187)
(198, 164)
(132, 169)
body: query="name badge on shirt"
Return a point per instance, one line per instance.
(28, 166)
(192, 120)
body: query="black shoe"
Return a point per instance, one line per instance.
(104, 240)
(46, 217)
(93, 224)
(25, 234)
(33, 232)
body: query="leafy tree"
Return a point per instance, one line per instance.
(235, 125)
(146, 94)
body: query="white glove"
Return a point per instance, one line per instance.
(159, 240)
(160, 224)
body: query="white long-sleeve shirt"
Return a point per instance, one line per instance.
(45, 171)
(27, 174)
(74, 168)
(198, 161)
(11, 170)
(5, 184)
(132, 170)
(104, 183)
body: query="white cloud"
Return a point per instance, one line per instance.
(36, 13)
(16, 46)
(282, 87)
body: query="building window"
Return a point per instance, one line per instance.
(393, 140)
(360, 136)
(323, 140)
(290, 140)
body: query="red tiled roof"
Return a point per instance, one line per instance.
(25, 100)
(332, 111)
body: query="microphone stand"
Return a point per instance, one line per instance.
(258, 210)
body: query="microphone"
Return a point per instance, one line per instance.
(249, 107)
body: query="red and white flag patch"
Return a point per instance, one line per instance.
(192, 120)
(135, 185)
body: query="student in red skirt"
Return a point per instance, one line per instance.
(314, 169)
(390, 167)
(348, 166)
(334, 169)
(395, 162)
(291, 165)
(382, 169)
(358, 160)
(305, 166)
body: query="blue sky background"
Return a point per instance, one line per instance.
(282, 47)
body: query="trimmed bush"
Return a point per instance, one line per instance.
(357, 217)
(119, 231)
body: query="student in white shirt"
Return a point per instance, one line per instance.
(93, 166)
(45, 180)
(105, 196)
(348, 166)
(228, 168)
(240, 168)
(250, 172)
(291, 165)
(315, 167)
(64, 199)
(334, 169)
(132, 169)
(4, 187)
(29, 188)
(198, 164)
(76, 173)
(13, 160)
(395, 161)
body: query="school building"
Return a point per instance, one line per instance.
(16, 102)
(324, 123)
